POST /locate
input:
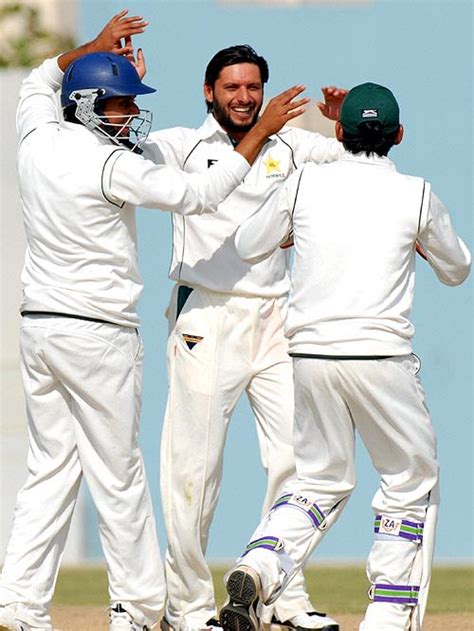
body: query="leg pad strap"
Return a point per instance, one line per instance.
(399, 594)
(269, 543)
(315, 514)
(386, 525)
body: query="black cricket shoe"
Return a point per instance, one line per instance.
(243, 588)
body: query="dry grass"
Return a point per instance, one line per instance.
(81, 597)
(95, 619)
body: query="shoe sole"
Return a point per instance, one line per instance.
(236, 615)
(241, 588)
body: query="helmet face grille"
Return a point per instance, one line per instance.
(130, 131)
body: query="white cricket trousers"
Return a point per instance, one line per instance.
(83, 384)
(220, 347)
(382, 399)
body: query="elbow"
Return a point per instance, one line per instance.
(252, 258)
(456, 277)
(244, 251)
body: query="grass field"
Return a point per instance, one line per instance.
(81, 597)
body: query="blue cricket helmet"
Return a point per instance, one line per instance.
(110, 74)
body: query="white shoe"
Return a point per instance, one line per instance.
(308, 621)
(121, 620)
(10, 619)
(211, 625)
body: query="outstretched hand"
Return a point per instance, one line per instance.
(333, 98)
(281, 109)
(115, 37)
(119, 28)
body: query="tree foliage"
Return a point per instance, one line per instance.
(25, 41)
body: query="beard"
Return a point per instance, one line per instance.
(226, 122)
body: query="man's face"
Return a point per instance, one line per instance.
(120, 111)
(237, 97)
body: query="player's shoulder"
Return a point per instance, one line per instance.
(315, 169)
(410, 180)
(310, 145)
(295, 134)
(172, 134)
(170, 145)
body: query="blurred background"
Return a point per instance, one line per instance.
(423, 51)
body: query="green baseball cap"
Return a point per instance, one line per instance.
(366, 102)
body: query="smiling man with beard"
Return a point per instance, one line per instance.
(234, 95)
(226, 335)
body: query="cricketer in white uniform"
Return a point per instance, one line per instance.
(226, 337)
(355, 224)
(81, 354)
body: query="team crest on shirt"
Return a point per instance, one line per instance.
(273, 167)
(191, 340)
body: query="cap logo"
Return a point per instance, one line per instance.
(372, 113)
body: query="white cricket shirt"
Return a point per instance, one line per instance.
(355, 224)
(204, 253)
(79, 194)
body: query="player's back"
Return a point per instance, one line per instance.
(355, 223)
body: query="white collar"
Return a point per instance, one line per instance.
(211, 127)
